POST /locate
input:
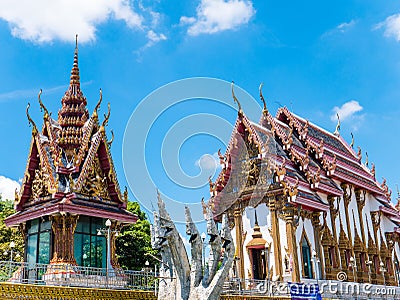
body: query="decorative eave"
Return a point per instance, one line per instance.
(21, 217)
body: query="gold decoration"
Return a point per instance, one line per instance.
(235, 99)
(39, 184)
(96, 183)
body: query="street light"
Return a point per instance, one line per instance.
(12, 245)
(353, 266)
(84, 256)
(107, 232)
(203, 239)
(315, 260)
(369, 264)
(383, 270)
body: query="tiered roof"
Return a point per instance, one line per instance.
(305, 159)
(70, 168)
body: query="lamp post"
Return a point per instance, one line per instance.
(369, 264)
(12, 245)
(84, 257)
(383, 270)
(353, 266)
(315, 260)
(107, 232)
(203, 239)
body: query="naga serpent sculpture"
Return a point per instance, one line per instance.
(180, 279)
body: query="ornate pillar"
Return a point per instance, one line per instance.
(346, 201)
(239, 241)
(289, 213)
(273, 206)
(360, 198)
(63, 227)
(115, 227)
(334, 213)
(317, 239)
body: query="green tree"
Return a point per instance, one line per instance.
(9, 234)
(134, 242)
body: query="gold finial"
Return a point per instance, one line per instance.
(352, 140)
(31, 122)
(96, 108)
(337, 130)
(265, 110)
(106, 116)
(366, 159)
(359, 154)
(235, 99)
(126, 194)
(112, 139)
(42, 107)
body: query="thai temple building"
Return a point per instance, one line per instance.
(303, 204)
(70, 187)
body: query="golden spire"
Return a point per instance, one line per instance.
(337, 130)
(236, 100)
(73, 113)
(265, 110)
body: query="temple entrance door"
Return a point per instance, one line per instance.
(306, 253)
(258, 264)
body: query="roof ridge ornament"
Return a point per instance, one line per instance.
(42, 107)
(337, 130)
(240, 111)
(31, 122)
(106, 116)
(352, 140)
(366, 159)
(265, 110)
(96, 108)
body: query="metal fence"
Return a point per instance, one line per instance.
(69, 275)
(147, 280)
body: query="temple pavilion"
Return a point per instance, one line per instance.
(303, 204)
(70, 187)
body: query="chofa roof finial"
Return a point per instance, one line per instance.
(31, 122)
(265, 110)
(352, 140)
(337, 130)
(235, 99)
(42, 107)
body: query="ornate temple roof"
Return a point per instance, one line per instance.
(293, 157)
(70, 168)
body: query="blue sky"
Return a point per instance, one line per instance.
(315, 57)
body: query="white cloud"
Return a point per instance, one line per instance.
(43, 21)
(7, 188)
(219, 15)
(208, 162)
(392, 26)
(154, 37)
(345, 26)
(347, 110)
(186, 20)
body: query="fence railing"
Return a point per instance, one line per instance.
(70, 275)
(78, 276)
